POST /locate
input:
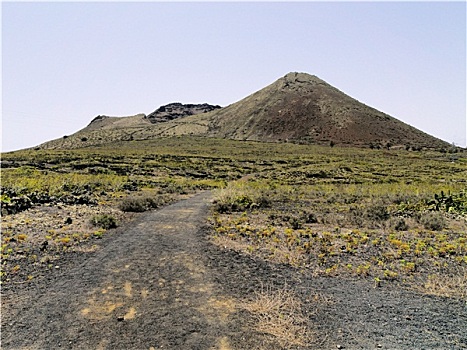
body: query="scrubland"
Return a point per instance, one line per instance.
(393, 216)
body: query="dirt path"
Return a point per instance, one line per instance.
(148, 280)
(160, 284)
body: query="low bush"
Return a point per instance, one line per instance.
(399, 224)
(141, 204)
(310, 218)
(377, 213)
(433, 221)
(104, 221)
(240, 197)
(240, 202)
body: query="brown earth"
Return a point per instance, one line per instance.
(159, 283)
(297, 107)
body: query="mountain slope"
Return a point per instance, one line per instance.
(301, 107)
(103, 122)
(297, 107)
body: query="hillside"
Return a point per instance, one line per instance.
(298, 107)
(304, 108)
(103, 122)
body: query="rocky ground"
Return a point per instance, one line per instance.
(158, 281)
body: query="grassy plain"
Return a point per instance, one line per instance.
(394, 216)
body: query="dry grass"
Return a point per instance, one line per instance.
(282, 254)
(277, 253)
(228, 243)
(279, 314)
(446, 286)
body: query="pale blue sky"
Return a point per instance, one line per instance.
(65, 63)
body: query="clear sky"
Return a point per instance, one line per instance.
(65, 63)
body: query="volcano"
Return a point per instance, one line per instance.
(297, 107)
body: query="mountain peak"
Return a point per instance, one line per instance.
(297, 107)
(303, 78)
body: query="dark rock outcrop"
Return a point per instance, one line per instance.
(178, 110)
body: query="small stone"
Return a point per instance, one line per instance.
(44, 246)
(120, 318)
(379, 346)
(340, 347)
(57, 267)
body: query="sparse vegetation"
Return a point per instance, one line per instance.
(363, 223)
(392, 216)
(378, 235)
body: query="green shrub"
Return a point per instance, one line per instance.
(295, 223)
(104, 221)
(399, 224)
(233, 204)
(356, 216)
(456, 202)
(141, 204)
(132, 204)
(433, 221)
(239, 196)
(309, 218)
(377, 213)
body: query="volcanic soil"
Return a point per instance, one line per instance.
(158, 282)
